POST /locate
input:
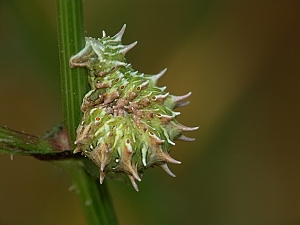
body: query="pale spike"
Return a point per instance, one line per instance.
(145, 84)
(102, 176)
(185, 128)
(118, 36)
(133, 183)
(133, 171)
(105, 161)
(126, 48)
(167, 170)
(102, 167)
(181, 104)
(160, 98)
(184, 138)
(103, 34)
(176, 113)
(178, 99)
(169, 159)
(127, 166)
(135, 174)
(159, 75)
(162, 88)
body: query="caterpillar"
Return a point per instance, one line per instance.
(128, 122)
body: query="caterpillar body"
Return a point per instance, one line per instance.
(128, 122)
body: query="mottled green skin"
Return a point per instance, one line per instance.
(128, 123)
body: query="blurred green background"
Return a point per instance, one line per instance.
(241, 61)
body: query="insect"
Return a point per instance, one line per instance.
(128, 122)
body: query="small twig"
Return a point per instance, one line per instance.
(16, 142)
(68, 154)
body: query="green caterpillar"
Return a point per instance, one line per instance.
(128, 123)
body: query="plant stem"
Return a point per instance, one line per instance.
(73, 81)
(95, 200)
(15, 142)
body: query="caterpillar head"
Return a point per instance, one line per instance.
(128, 122)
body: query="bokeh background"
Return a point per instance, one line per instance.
(241, 61)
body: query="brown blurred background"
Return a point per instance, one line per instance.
(240, 60)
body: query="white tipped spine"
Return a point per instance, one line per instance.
(169, 159)
(181, 104)
(184, 138)
(167, 170)
(133, 183)
(159, 75)
(127, 48)
(102, 176)
(119, 35)
(185, 128)
(178, 99)
(103, 34)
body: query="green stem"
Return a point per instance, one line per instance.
(73, 81)
(15, 142)
(95, 200)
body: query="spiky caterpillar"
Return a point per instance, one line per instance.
(128, 123)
